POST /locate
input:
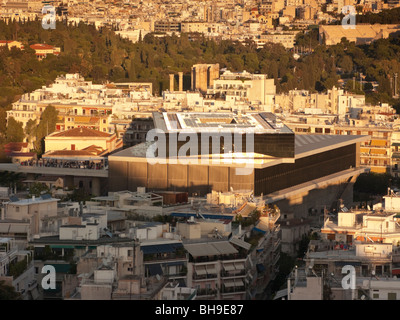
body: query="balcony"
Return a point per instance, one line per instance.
(206, 293)
(207, 276)
(231, 274)
(231, 289)
(276, 245)
(162, 257)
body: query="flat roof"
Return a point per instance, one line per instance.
(309, 144)
(23, 202)
(263, 122)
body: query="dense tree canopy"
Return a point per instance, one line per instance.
(14, 132)
(101, 55)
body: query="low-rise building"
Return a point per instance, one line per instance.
(42, 50)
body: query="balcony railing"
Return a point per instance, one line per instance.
(231, 274)
(206, 292)
(205, 276)
(239, 289)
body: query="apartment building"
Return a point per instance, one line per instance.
(376, 152)
(17, 270)
(41, 212)
(379, 225)
(216, 270)
(167, 26)
(254, 88)
(81, 103)
(286, 39)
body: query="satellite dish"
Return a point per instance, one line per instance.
(158, 277)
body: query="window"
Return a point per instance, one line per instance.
(16, 209)
(331, 236)
(392, 296)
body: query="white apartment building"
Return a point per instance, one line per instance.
(380, 225)
(244, 86)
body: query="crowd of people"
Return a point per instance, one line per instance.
(72, 164)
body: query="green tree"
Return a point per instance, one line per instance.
(8, 292)
(37, 189)
(46, 126)
(14, 132)
(30, 129)
(3, 122)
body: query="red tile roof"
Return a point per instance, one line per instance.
(42, 46)
(81, 132)
(15, 146)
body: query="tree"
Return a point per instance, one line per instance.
(47, 125)
(37, 189)
(30, 129)
(346, 63)
(8, 292)
(14, 132)
(3, 122)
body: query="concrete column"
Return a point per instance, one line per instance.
(180, 81)
(171, 82)
(193, 78)
(96, 186)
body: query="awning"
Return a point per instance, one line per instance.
(211, 269)
(155, 269)
(161, 248)
(378, 151)
(239, 266)
(229, 284)
(380, 143)
(61, 246)
(240, 243)
(201, 270)
(229, 267)
(395, 272)
(239, 283)
(60, 267)
(378, 169)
